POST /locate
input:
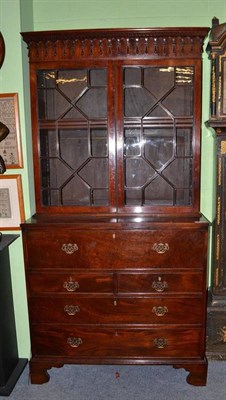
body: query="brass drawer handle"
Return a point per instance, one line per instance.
(159, 285)
(71, 310)
(69, 248)
(71, 286)
(160, 311)
(160, 343)
(160, 248)
(74, 341)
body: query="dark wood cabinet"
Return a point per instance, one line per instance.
(216, 321)
(116, 253)
(11, 366)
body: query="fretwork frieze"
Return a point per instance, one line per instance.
(113, 44)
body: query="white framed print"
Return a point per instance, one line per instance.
(11, 202)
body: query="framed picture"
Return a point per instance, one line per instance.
(10, 147)
(11, 202)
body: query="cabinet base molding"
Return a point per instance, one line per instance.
(197, 368)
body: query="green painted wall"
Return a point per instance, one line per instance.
(12, 81)
(57, 14)
(27, 15)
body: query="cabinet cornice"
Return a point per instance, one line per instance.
(115, 43)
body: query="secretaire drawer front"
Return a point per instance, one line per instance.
(161, 282)
(69, 283)
(115, 342)
(117, 281)
(76, 310)
(115, 249)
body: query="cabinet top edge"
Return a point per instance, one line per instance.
(114, 32)
(119, 222)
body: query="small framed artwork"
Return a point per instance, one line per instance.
(10, 147)
(11, 202)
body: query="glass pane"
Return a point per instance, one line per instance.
(133, 197)
(132, 145)
(98, 77)
(72, 83)
(54, 172)
(132, 76)
(138, 172)
(76, 192)
(99, 143)
(95, 173)
(179, 172)
(159, 80)
(183, 197)
(159, 192)
(159, 112)
(94, 103)
(51, 197)
(100, 197)
(158, 146)
(48, 143)
(74, 146)
(138, 102)
(72, 112)
(184, 142)
(180, 101)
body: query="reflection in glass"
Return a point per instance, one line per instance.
(138, 172)
(132, 142)
(161, 171)
(158, 169)
(158, 146)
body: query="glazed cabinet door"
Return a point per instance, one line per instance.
(157, 126)
(148, 113)
(75, 145)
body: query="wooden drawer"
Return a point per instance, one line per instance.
(102, 310)
(62, 282)
(64, 248)
(94, 342)
(116, 282)
(160, 282)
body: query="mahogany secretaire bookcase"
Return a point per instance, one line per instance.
(116, 253)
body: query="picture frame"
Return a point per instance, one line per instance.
(10, 147)
(11, 202)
